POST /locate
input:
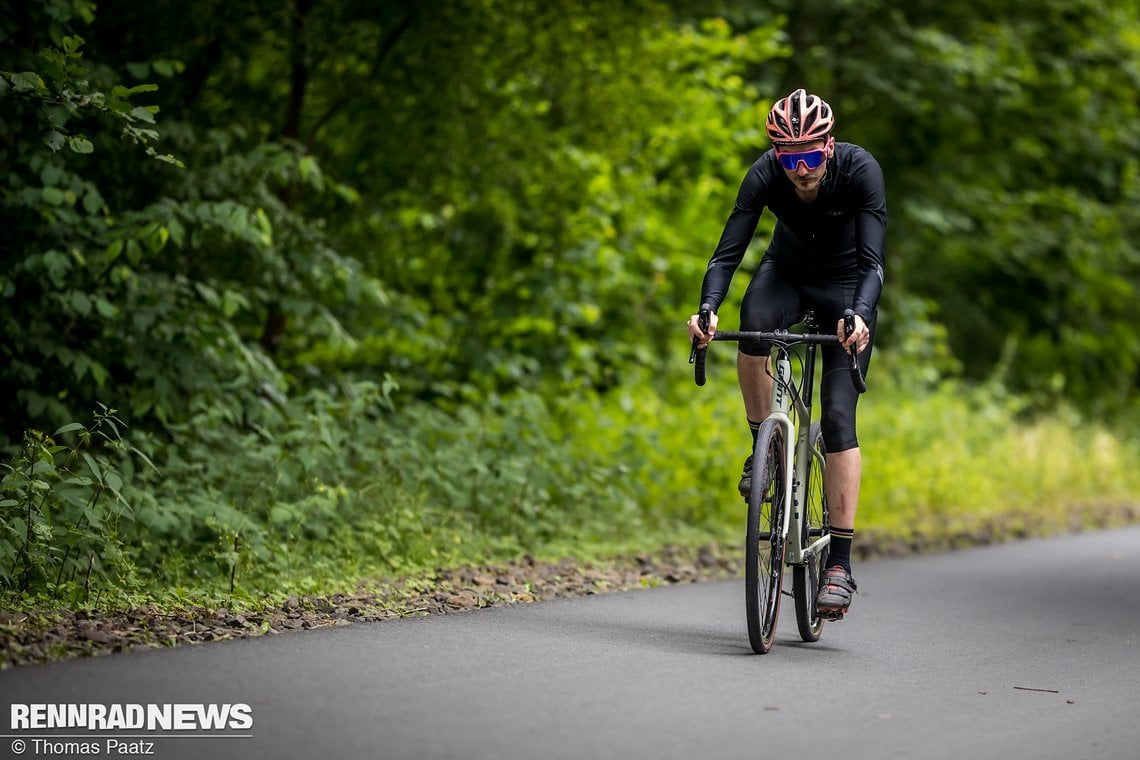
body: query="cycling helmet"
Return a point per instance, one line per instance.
(799, 118)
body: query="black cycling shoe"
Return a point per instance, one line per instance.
(745, 486)
(835, 590)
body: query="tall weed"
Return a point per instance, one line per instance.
(63, 512)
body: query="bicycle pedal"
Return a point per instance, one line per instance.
(831, 615)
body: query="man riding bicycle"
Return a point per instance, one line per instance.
(826, 255)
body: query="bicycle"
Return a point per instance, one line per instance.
(787, 521)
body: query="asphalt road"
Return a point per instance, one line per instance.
(1027, 650)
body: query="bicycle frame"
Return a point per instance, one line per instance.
(787, 403)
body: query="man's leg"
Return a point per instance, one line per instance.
(841, 481)
(770, 303)
(755, 385)
(839, 400)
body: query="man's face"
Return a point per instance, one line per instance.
(801, 156)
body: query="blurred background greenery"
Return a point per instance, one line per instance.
(339, 289)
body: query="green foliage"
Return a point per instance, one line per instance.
(64, 93)
(63, 512)
(1011, 175)
(411, 291)
(324, 480)
(539, 223)
(119, 275)
(956, 454)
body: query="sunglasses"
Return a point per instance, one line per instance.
(810, 158)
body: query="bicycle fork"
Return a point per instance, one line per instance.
(797, 460)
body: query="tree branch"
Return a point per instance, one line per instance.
(299, 77)
(386, 45)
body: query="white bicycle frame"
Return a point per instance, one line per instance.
(785, 399)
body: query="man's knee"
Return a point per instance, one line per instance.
(838, 427)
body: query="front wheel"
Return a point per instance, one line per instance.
(764, 549)
(805, 578)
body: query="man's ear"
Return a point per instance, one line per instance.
(830, 147)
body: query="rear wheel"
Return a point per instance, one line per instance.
(764, 551)
(805, 578)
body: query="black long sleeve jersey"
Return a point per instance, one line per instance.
(837, 237)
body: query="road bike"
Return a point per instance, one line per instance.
(787, 505)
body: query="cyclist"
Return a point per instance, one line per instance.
(826, 254)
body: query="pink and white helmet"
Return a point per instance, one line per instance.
(799, 118)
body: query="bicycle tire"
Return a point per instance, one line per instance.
(805, 578)
(764, 543)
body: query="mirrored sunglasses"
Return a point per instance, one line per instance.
(810, 158)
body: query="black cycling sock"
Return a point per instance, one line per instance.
(839, 550)
(755, 428)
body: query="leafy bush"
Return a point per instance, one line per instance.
(62, 510)
(960, 452)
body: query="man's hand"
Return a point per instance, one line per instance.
(860, 336)
(695, 330)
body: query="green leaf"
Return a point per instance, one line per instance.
(166, 158)
(54, 140)
(57, 265)
(92, 201)
(51, 175)
(209, 295)
(80, 144)
(94, 518)
(105, 307)
(69, 427)
(114, 250)
(177, 231)
(310, 172)
(144, 113)
(114, 482)
(27, 81)
(164, 68)
(94, 466)
(53, 196)
(80, 303)
(157, 239)
(76, 497)
(71, 45)
(280, 515)
(99, 372)
(144, 457)
(233, 302)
